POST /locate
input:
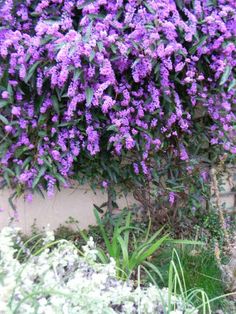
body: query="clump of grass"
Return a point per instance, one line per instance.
(200, 271)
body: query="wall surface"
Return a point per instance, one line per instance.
(76, 203)
(228, 190)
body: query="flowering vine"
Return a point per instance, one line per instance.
(114, 90)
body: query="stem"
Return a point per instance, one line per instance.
(219, 207)
(109, 199)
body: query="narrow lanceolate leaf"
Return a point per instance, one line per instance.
(4, 119)
(180, 4)
(199, 44)
(225, 75)
(103, 232)
(38, 177)
(100, 45)
(92, 55)
(232, 85)
(3, 103)
(135, 63)
(31, 71)
(79, 7)
(55, 104)
(60, 178)
(112, 127)
(89, 96)
(77, 74)
(149, 8)
(88, 32)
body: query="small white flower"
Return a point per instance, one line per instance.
(73, 284)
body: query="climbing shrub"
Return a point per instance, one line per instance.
(121, 92)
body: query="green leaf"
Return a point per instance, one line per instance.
(48, 162)
(3, 103)
(34, 14)
(125, 253)
(186, 242)
(3, 119)
(135, 63)
(6, 177)
(10, 91)
(100, 45)
(92, 55)
(84, 4)
(157, 69)
(10, 172)
(225, 75)
(98, 209)
(60, 178)
(180, 4)
(31, 71)
(66, 124)
(232, 85)
(149, 250)
(113, 48)
(55, 104)
(10, 200)
(149, 8)
(112, 127)
(154, 269)
(89, 96)
(199, 44)
(42, 133)
(77, 74)
(38, 102)
(88, 32)
(96, 16)
(21, 150)
(4, 78)
(103, 232)
(39, 176)
(27, 161)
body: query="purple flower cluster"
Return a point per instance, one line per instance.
(117, 77)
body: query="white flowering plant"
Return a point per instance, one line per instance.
(61, 279)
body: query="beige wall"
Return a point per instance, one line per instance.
(77, 203)
(228, 190)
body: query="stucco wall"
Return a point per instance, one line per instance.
(228, 190)
(77, 203)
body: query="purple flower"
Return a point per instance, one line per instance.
(144, 167)
(104, 184)
(136, 168)
(107, 104)
(8, 128)
(126, 86)
(171, 198)
(29, 197)
(5, 95)
(233, 150)
(179, 67)
(129, 142)
(16, 111)
(204, 175)
(183, 154)
(55, 155)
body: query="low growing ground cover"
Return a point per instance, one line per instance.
(58, 278)
(184, 269)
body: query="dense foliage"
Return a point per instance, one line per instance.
(56, 279)
(115, 91)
